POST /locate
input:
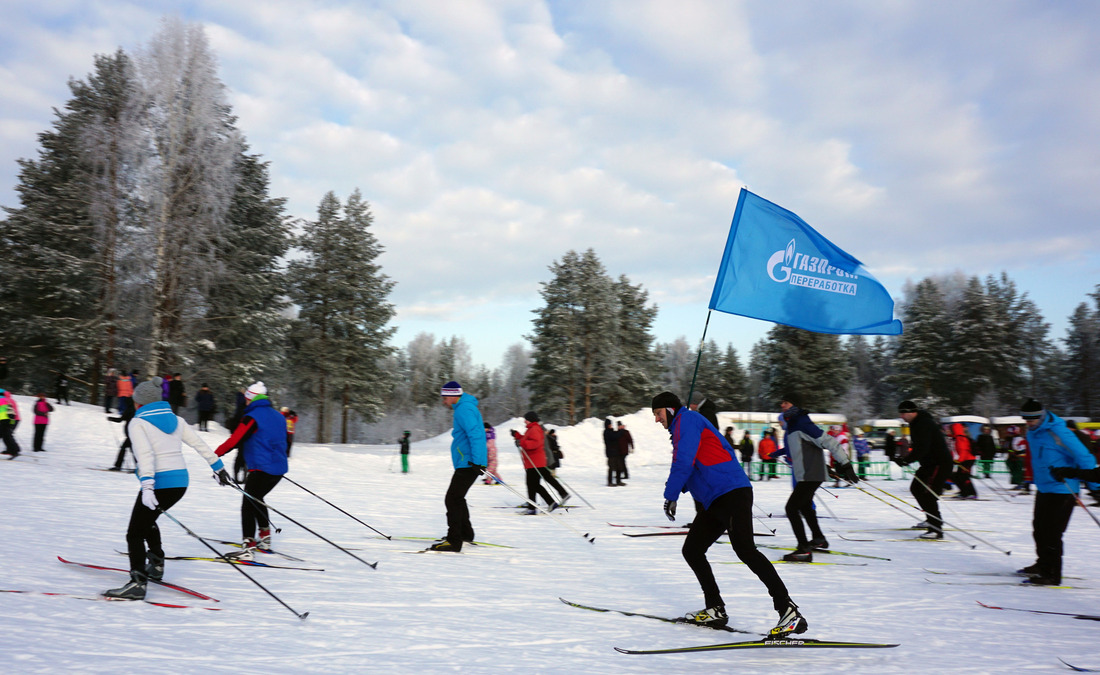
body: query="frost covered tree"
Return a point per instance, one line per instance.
(340, 336)
(731, 391)
(631, 386)
(512, 398)
(677, 360)
(1083, 360)
(187, 178)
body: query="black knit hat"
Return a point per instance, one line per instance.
(666, 399)
(531, 416)
(907, 406)
(792, 398)
(1031, 409)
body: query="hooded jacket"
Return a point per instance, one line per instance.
(157, 436)
(468, 443)
(703, 463)
(805, 441)
(929, 446)
(1053, 444)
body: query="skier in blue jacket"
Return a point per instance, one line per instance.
(1054, 448)
(261, 435)
(470, 456)
(705, 465)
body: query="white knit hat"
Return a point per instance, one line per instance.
(257, 389)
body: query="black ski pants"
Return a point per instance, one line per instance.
(933, 477)
(963, 473)
(143, 531)
(801, 505)
(254, 514)
(534, 486)
(731, 512)
(548, 477)
(459, 528)
(1048, 523)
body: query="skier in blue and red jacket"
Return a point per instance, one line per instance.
(707, 467)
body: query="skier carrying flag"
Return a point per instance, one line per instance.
(706, 466)
(158, 436)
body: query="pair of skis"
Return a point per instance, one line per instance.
(765, 642)
(166, 584)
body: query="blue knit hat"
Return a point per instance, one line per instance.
(452, 388)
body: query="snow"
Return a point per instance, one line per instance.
(496, 610)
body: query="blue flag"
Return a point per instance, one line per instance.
(778, 268)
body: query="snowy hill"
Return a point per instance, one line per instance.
(496, 610)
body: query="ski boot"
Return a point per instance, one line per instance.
(1029, 571)
(932, 534)
(445, 546)
(264, 541)
(155, 568)
(132, 590)
(819, 543)
(924, 524)
(712, 617)
(801, 554)
(247, 552)
(790, 621)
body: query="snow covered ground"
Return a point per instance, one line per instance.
(496, 610)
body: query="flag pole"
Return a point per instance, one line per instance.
(702, 340)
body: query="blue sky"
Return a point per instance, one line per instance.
(491, 137)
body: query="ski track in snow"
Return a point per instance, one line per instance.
(496, 610)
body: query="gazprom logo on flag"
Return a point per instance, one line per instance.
(799, 269)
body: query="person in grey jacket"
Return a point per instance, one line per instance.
(804, 443)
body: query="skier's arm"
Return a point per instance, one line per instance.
(246, 427)
(685, 445)
(195, 441)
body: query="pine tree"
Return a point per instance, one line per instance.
(244, 327)
(340, 334)
(812, 365)
(575, 340)
(1083, 361)
(918, 362)
(973, 360)
(731, 390)
(632, 383)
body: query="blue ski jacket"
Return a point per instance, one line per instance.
(468, 443)
(1053, 444)
(265, 448)
(703, 463)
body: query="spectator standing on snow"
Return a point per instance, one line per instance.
(291, 422)
(42, 410)
(204, 401)
(706, 466)
(804, 443)
(929, 448)
(158, 437)
(863, 453)
(9, 419)
(890, 444)
(261, 438)
(746, 448)
(766, 452)
(1054, 449)
(626, 446)
(61, 387)
(987, 450)
(469, 456)
(554, 448)
(125, 388)
(403, 444)
(614, 456)
(110, 390)
(177, 395)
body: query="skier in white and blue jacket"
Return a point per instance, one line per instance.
(705, 465)
(157, 435)
(470, 456)
(1053, 447)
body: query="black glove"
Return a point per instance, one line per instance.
(223, 477)
(1060, 473)
(515, 434)
(670, 509)
(848, 473)
(478, 467)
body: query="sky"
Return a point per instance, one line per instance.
(490, 138)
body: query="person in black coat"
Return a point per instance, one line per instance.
(204, 400)
(929, 449)
(614, 456)
(177, 397)
(987, 450)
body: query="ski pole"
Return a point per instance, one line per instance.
(372, 565)
(895, 506)
(527, 458)
(1081, 503)
(237, 567)
(574, 492)
(757, 507)
(288, 479)
(590, 540)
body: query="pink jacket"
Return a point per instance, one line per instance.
(6, 399)
(42, 410)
